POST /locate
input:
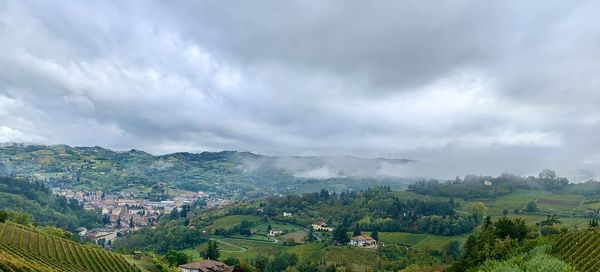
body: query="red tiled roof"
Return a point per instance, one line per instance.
(362, 238)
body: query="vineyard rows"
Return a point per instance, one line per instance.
(581, 249)
(25, 249)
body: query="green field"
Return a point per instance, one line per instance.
(230, 221)
(417, 240)
(253, 248)
(547, 202)
(298, 236)
(287, 228)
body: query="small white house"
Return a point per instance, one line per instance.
(320, 226)
(275, 232)
(363, 241)
(287, 214)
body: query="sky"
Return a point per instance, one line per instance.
(463, 87)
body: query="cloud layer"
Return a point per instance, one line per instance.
(463, 86)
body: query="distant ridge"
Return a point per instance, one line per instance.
(227, 173)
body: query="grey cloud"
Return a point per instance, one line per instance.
(462, 86)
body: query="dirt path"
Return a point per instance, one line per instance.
(242, 249)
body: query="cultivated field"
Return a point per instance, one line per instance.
(44, 252)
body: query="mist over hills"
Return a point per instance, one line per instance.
(232, 173)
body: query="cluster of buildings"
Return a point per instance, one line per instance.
(123, 213)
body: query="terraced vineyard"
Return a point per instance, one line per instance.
(25, 249)
(581, 249)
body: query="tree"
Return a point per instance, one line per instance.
(547, 174)
(284, 260)
(174, 213)
(212, 252)
(176, 258)
(340, 236)
(3, 216)
(131, 222)
(531, 206)
(477, 209)
(375, 235)
(311, 235)
(119, 223)
(487, 223)
(356, 231)
(19, 218)
(505, 212)
(514, 228)
(452, 250)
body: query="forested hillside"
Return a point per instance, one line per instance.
(32, 201)
(228, 173)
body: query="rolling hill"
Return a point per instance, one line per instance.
(229, 173)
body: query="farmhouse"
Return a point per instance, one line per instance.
(274, 232)
(205, 266)
(363, 241)
(321, 226)
(287, 214)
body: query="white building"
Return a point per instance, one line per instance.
(363, 241)
(274, 232)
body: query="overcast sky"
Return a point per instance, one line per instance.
(465, 86)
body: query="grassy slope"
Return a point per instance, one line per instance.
(229, 222)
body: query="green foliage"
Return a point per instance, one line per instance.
(356, 231)
(531, 206)
(490, 187)
(340, 236)
(513, 228)
(496, 241)
(161, 239)
(175, 258)
(3, 216)
(27, 201)
(231, 261)
(212, 252)
(58, 232)
(376, 208)
(535, 261)
(375, 235)
(452, 250)
(395, 258)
